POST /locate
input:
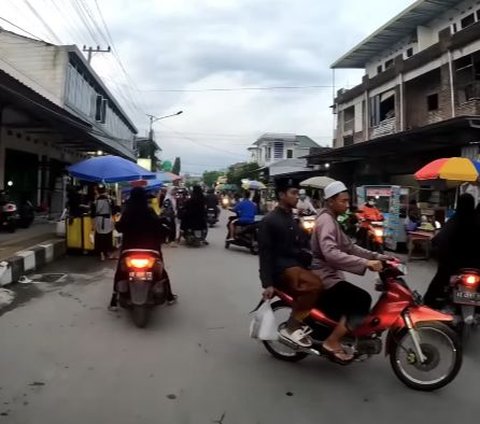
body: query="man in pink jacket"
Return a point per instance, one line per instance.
(334, 252)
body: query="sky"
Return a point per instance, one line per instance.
(172, 55)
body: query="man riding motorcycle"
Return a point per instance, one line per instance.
(211, 200)
(333, 252)
(246, 211)
(141, 228)
(304, 204)
(284, 263)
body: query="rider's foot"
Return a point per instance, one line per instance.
(336, 353)
(299, 336)
(172, 300)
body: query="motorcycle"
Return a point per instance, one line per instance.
(195, 238)
(464, 292)
(425, 353)
(212, 216)
(307, 222)
(8, 213)
(245, 236)
(370, 235)
(140, 287)
(226, 203)
(26, 214)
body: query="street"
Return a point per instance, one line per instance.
(64, 358)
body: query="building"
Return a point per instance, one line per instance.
(272, 147)
(54, 111)
(279, 155)
(419, 98)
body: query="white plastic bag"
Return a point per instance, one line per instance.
(60, 229)
(263, 325)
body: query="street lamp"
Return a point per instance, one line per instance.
(154, 119)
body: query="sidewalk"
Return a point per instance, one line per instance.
(27, 249)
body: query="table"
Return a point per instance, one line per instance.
(420, 237)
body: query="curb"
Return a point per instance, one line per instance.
(30, 259)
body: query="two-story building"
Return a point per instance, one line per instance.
(419, 98)
(54, 111)
(281, 154)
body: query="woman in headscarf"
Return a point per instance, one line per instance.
(455, 248)
(195, 212)
(141, 228)
(102, 212)
(169, 212)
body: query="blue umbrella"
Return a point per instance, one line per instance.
(109, 169)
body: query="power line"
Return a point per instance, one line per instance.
(23, 30)
(39, 17)
(208, 146)
(227, 89)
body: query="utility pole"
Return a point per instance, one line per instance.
(91, 50)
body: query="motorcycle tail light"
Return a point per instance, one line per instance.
(470, 279)
(140, 262)
(9, 208)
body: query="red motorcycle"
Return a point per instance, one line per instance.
(424, 351)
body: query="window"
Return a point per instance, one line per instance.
(478, 15)
(389, 63)
(382, 107)
(289, 154)
(100, 109)
(468, 20)
(432, 102)
(410, 52)
(379, 69)
(268, 153)
(278, 150)
(454, 28)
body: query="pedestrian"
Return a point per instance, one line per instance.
(169, 212)
(102, 212)
(194, 216)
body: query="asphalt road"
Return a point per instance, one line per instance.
(65, 359)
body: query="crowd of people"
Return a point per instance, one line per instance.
(311, 271)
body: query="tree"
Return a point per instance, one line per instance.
(239, 171)
(210, 177)
(177, 166)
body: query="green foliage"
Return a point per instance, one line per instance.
(210, 177)
(236, 173)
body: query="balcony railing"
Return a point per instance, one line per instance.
(386, 127)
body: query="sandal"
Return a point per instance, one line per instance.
(336, 355)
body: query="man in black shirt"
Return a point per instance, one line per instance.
(283, 263)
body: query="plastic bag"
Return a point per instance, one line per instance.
(61, 229)
(263, 325)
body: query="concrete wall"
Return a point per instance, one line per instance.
(36, 64)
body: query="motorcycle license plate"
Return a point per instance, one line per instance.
(140, 275)
(466, 298)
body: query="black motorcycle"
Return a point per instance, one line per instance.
(26, 214)
(212, 217)
(140, 287)
(245, 236)
(8, 213)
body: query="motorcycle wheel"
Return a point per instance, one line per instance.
(227, 245)
(254, 249)
(140, 316)
(11, 227)
(442, 348)
(276, 348)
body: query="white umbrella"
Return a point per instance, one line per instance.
(317, 182)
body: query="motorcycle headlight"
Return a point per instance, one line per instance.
(308, 225)
(379, 232)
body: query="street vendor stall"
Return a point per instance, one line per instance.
(102, 170)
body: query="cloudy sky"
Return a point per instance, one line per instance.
(175, 54)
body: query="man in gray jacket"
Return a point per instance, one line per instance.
(334, 252)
